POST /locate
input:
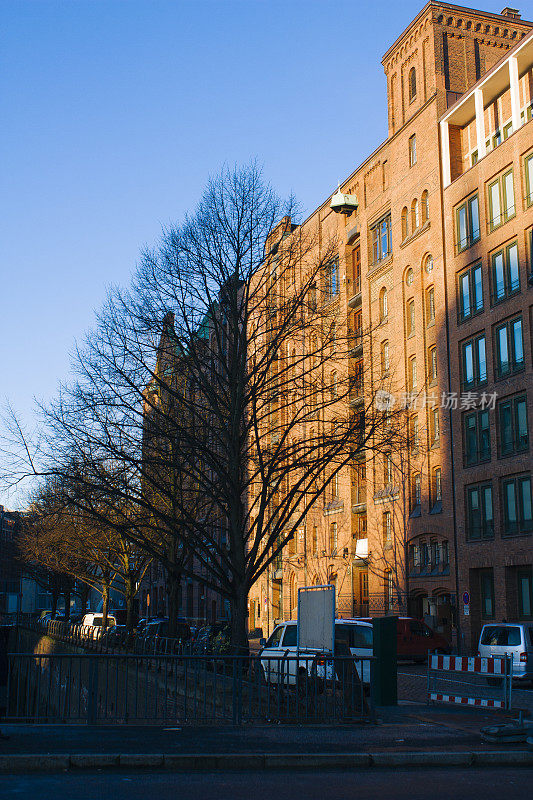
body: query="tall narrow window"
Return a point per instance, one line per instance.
(410, 317)
(381, 239)
(437, 485)
(467, 223)
(513, 427)
(517, 511)
(387, 469)
(432, 365)
(416, 491)
(505, 273)
(333, 538)
(387, 528)
(356, 264)
(414, 436)
(405, 228)
(412, 375)
(474, 362)
(470, 290)
(501, 200)
(479, 516)
(476, 437)
(415, 215)
(412, 150)
(412, 84)
(425, 206)
(430, 305)
(486, 579)
(528, 168)
(332, 279)
(525, 592)
(383, 305)
(434, 426)
(509, 348)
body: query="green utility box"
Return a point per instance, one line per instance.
(385, 682)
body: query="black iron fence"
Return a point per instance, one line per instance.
(154, 689)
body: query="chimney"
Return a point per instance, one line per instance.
(512, 13)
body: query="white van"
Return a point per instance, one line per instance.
(510, 638)
(357, 635)
(95, 621)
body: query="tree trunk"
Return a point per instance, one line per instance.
(66, 595)
(55, 598)
(84, 597)
(239, 622)
(105, 604)
(129, 592)
(173, 588)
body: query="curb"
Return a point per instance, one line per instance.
(210, 762)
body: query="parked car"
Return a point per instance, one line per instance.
(212, 639)
(93, 622)
(160, 628)
(358, 635)
(509, 638)
(415, 640)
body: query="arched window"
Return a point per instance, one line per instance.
(425, 206)
(405, 228)
(383, 305)
(412, 84)
(294, 593)
(415, 215)
(333, 538)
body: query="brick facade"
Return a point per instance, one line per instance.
(436, 60)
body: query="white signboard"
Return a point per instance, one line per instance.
(316, 618)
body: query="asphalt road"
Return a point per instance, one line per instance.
(398, 784)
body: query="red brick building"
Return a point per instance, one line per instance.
(404, 252)
(487, 149)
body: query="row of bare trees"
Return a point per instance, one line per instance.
(203, 423)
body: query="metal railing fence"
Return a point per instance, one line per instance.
(160, 689)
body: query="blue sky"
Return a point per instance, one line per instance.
(114, 113)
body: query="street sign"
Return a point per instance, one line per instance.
(466, 598)
(316, 617)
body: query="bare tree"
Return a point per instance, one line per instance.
(219, 387)
(72, 534)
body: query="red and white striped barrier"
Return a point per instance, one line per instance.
(436, 697)
(483, 666)
(475, 665)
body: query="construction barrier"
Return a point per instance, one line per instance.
(470, 681)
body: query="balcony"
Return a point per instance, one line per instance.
(355, 300)
(357, 395)
(356, 344)
(359, 500)
(389, 492)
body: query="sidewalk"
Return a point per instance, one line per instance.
(405, 735)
